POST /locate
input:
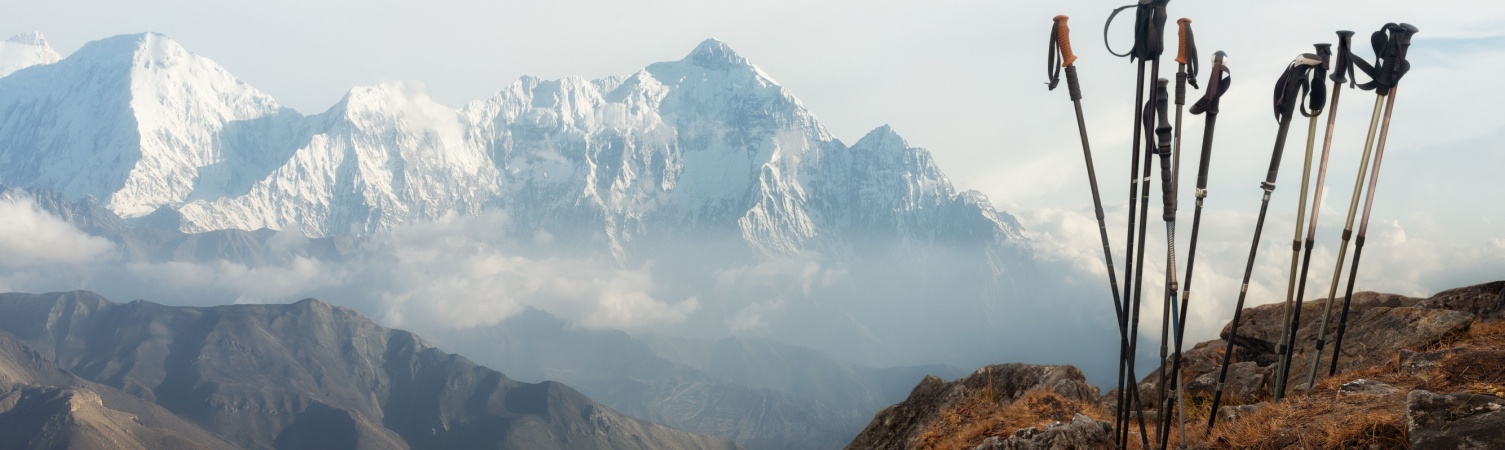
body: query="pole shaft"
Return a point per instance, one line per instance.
(1353, 209)
(1311, 231)
(1138, 283)
(1259, 224)
(1353, 273)
(1293, 297)
(1238, 309)
(1125, 371)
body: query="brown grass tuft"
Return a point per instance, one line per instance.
(974, 418)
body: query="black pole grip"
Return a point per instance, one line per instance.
(1343, 66)
(1072, 85)
(1163, 147)
(1181, 87)
(1167, 191)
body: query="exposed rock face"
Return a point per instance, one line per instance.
(1485, 300)
(1082, 432)
(1379, 326)
(1456, 421)
(312, 376)
(899, 426)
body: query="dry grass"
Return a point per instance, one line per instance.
(1320, 418)
(972, 419)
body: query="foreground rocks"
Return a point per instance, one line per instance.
(1455, 421)
(1082, 432)
(901, 427)
(1398, 353)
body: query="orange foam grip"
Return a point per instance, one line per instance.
(1063, 34)
(1182, 25)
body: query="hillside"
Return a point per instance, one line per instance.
(306, 375)
(1419, 372)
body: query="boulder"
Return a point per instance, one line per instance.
(1454, 421)
(1231, 413)
(1246, 380)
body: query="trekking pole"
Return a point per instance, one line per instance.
(1162, 143)
(1390, 46)
(1217, 84)
(1060, 46)
(1343, 69)
(1297, 285)
(1286, 91)
(1186, 55)
(1186, 72)
(1149, 22)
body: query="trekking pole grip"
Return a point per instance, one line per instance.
(1163, 144)
(1063, 34)
(1183, 28)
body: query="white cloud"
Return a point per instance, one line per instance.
(30, 236)
(1393, 260)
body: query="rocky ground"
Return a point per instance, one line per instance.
(1423, 373)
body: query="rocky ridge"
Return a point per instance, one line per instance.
(302, 376)
(1424, 373)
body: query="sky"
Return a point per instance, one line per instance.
(960, 78)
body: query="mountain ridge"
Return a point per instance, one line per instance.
(709, 142)
(308, 374)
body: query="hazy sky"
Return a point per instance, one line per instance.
(961, 78)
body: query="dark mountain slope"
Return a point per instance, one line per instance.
(43, 406)
(310, 375)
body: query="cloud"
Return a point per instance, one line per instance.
(30, 236)
(454, 272)
(1418, 262)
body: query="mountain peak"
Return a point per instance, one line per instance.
(25, 50)
(712, 53)
(883, 137)
(29, 38)
(141, 49)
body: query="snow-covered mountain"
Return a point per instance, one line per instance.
(25, 50)
(129, 120)
(707, 146)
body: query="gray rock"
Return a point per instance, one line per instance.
(1082, 432)
(1485, 300)
(1455, 421)
(1367, 387)
(1245, 380)
(1412, 362)
(1232, 413)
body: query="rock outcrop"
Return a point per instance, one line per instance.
(1454, 421)
(1082, 432)
(1398, 352)
(901, 427)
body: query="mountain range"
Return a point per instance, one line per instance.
(83, 372)
(804, 263)
(709, 144)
